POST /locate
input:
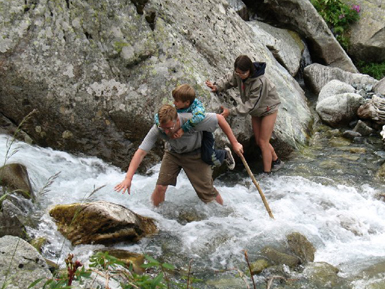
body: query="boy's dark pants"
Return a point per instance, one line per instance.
(210, 155)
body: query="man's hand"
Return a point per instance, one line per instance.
(238, 148)
(225, 112)
(125, 185)
(179, 133)
(211, 85)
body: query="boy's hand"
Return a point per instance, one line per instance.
(179, 133)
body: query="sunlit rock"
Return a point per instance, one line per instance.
(339, 109)
(317, 76)
(334, 87)
(304, 18)
(380, 87)
(21, 264)
(97, 81)
(367, 35)
(101, 223)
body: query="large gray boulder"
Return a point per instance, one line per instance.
(316, 76)
(302, 17)
(286, 46)
(21, 264)
(98, 71)
(367, 35)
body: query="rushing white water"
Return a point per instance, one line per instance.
(345, 224)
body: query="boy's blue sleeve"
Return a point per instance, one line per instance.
(198, 114)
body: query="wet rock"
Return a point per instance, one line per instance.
(259, 265)
(351, 134)
(280, 258)
(323, 275)
(301, 247)
(101, 223)
(363, 128)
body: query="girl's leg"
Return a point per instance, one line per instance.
(263, 129)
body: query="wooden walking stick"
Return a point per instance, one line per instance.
(257, 185)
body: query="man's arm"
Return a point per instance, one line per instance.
(134, 164)
(237, 147)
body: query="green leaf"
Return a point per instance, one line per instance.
(35, 282)
(168, 266)
(157, 280)
(152, 260)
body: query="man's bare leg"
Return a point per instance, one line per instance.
(158, 195)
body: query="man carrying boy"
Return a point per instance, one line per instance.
(185, 101)
(180, 153)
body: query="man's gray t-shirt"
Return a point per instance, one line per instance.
(189, 142)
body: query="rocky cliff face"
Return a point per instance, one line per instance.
(98, 71)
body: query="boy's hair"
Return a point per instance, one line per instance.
(244, 63)
(184, 93)
(167, 113)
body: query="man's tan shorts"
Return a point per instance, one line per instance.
(198, 172)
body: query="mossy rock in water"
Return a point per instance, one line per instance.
(101, 223)
(301, 247)
(280, 258)
(323, 275)
(259, 265)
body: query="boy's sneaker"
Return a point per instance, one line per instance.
(230, 162)
(276, 165)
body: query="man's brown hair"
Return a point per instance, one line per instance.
(184, 93)
(167, 113)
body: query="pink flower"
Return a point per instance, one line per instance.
(341, 16)
(356, 7)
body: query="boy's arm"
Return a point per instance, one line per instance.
(134, 164)
(198, 114)
(224, 125)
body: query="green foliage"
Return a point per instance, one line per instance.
(338, 16)
(376, 70)
(103, 264)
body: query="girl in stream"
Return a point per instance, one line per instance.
(258, 97)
